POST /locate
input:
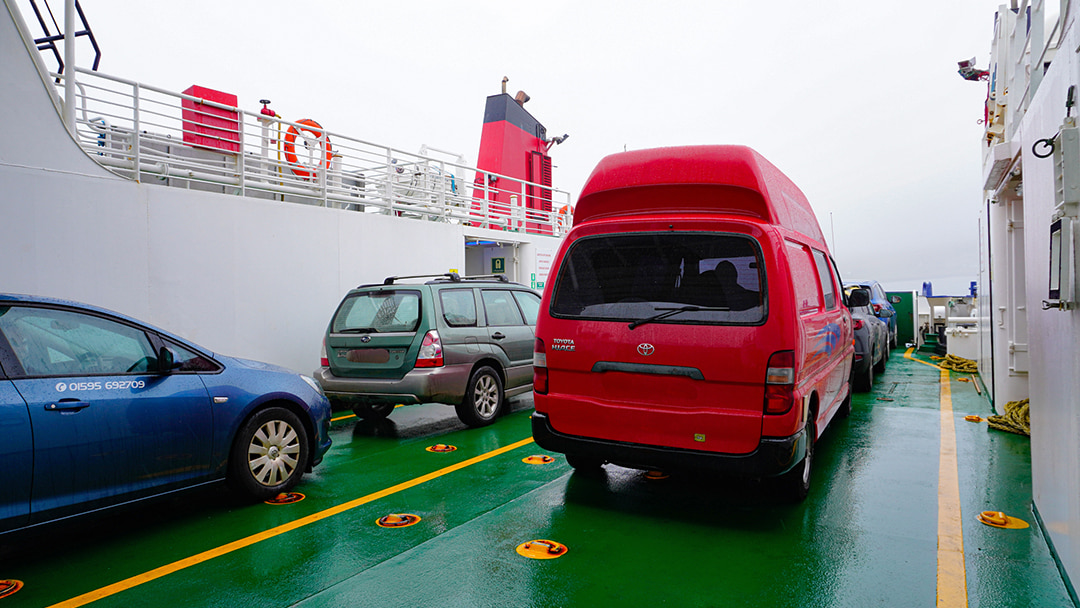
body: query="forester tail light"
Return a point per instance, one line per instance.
(780, 383)
(430, 354)
(540, 370)
(323, 359)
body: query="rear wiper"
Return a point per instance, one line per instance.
(359, 330)
(670, 312)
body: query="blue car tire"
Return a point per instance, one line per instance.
(270, 454)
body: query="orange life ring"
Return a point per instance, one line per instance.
(566, 215)
(301, 169)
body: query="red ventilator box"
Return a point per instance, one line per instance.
(207, 126)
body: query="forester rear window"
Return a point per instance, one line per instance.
(378, 312)
(670, 277)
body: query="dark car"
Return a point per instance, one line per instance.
(881, 306)
(871, 340)
(462, 341)
(98, 409)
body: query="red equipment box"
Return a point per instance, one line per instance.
(206, 126)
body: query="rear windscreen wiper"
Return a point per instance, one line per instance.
(668, 312)
(359, 330)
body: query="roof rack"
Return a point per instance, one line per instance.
(453, 277)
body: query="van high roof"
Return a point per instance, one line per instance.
(733, 180)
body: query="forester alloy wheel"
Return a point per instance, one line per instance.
(483, 400)
(270, 453)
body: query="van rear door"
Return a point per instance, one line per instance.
(656, 338)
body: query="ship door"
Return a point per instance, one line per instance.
(491, 257)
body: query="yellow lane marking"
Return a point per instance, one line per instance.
(951, 572)
(174, 567)
(908, 355)
(347, 416)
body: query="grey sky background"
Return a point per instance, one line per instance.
(858, 102)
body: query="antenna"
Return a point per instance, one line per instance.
(832, 235)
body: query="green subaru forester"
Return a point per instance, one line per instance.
(462, 341)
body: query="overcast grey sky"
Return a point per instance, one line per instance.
(858, 101)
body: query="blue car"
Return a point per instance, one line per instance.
(881, 305)
(97, 409)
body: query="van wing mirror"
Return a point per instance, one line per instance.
(859, 297)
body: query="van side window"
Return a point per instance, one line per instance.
(804, 278)
(828, 286)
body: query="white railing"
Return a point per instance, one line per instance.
(157, 136)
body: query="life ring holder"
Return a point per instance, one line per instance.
(303, 170)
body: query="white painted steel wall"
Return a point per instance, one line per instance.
(1053, 335)
(1054, 380)
(240, 276)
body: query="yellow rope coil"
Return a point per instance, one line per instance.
(959, 364)
(1017, 418)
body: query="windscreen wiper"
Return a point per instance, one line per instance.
(670, 312)
(359, 330)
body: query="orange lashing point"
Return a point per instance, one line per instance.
(441, 447)
(9, 587)
(286, 498)
(538, 459)
(999, 519)
(397, 520)
(656, 475)
(542, 549)
(973, 418)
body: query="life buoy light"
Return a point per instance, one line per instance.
(301, 169)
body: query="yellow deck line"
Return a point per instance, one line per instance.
(199, 558)
(908, 355)
(951, 572)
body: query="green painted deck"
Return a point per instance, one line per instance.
(866, 536)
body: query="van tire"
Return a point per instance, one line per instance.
(584, 464)
(864, 382)
(879, 367)
(794, 485)
(484, 399)
(373, 412)
(282, 436)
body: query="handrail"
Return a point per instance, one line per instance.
(153, 135)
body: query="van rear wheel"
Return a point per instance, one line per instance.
(795, 484)
(864, 381)
(484, 399)
(584, 464)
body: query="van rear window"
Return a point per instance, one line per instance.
(628, 277)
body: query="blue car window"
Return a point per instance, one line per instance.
(187, 360)
(51, 342)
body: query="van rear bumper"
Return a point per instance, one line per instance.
(773, 456)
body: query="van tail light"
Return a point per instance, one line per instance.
(323, 359)
(540, 370)
(857, 323)
(430, 354)
(780, 383)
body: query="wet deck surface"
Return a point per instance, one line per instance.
(866, 536)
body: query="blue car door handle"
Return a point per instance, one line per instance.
(67, 405)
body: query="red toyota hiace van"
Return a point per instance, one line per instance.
(694, 319)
